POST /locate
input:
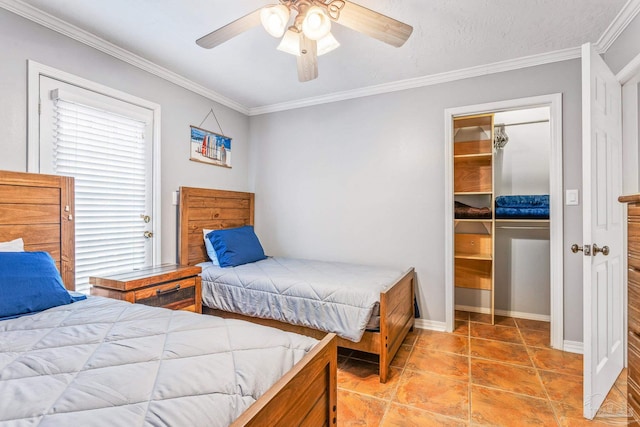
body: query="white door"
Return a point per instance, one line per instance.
(106, 144)
(602, 229)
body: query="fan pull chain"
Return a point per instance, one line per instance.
(211, 112)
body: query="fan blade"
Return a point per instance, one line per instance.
(369, 22)
(230, 30)
(308, 59)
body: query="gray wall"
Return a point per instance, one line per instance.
(363, 180)
(625, 48)
(21, 40)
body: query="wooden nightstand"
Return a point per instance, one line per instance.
(171, 286)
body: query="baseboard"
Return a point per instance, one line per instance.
(508, 313)
(431, 325)
(573, 347)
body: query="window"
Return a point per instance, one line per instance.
(106, 144)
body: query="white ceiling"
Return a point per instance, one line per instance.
(448, 35)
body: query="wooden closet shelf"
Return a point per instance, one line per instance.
(473, 121)
(481, 146)
(473, 156)
(473, 273)
(474, 142)
(477, 257)
(483, 285)
(474, 193)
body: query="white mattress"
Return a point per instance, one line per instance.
(329, 296)
(103, 362)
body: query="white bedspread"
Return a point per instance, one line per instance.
(329, 296)
(103, 362)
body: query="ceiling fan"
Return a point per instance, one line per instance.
(309, 36)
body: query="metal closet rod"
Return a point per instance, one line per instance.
(521, 227)
(521, 123)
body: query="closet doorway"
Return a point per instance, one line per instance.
(527, 271)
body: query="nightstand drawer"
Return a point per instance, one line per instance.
(174, 295)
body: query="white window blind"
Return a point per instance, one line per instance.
(106, 154)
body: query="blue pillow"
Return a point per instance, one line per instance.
(29, 282)
(236, 246)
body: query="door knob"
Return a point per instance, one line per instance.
(604, 250)
(148, 234)
(575, 248)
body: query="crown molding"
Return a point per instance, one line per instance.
(629, 71)
(626, 15)
(433, 79)
(617, 26)
(36, 15)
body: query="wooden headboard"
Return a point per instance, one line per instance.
(40, 209)
(212, 209)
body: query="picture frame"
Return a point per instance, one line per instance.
(209, 147)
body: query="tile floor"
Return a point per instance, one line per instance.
(480, 375)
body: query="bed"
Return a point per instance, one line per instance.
(220, 209)
(106, 362)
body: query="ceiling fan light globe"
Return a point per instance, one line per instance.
(275, 19)
(316, 23)
(327, 44)
(290, 43)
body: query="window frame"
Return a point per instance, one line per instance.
(34, 71)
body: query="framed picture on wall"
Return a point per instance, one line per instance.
(210, 147)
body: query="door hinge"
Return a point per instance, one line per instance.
(39, 107)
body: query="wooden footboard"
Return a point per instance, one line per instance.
(396, 319)
(306, 395)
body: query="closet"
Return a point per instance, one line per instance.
(501, 240)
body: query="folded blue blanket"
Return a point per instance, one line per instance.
(523, 213)
(536, 201)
